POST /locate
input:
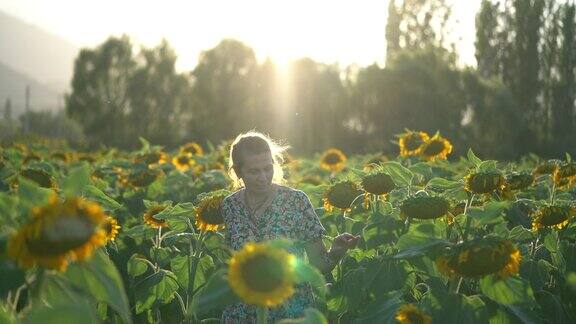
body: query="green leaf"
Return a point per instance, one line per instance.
(137, 266)
(158, 288)
(31, 194)
(491, 213)
(311, 316)
(76, 182)
(510, 291)
(61, 314)
(472, 158)
(402, 176)
(382, 310)
(551, 242)
(6, 315)
(99, 277)
(441, 184)
(101, 198)
(416, 246)
(520, 233)
(305, 272)
(180, 267)
(160, 255)
(215, 294)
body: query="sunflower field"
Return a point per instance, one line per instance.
(137, 237)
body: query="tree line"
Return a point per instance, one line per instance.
(518, 100)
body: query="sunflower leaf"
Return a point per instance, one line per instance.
(77, 180)
(402, 176)
(472, 158)
(61, 313)
(158, 288)
(509, 291)
(100, 197)
(311, 316)
(308, 273)
(217, 293)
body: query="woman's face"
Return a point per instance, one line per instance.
(257, 172)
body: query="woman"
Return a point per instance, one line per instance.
(265, 210)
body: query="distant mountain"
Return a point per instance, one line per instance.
(33, 52)
(13, 86)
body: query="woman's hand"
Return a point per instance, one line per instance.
(341, 244)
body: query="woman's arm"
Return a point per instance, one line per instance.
(325, 260)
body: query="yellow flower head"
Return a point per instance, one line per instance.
(341, 195)
(552, 216)
(436, 147)
(424, 207)
(262, 275)
(333, 160)
(546, 167)
(480, 257)
(112, 228)
(192, 148)
(151, 221)
(152, 159)
(411, 142)
(518, 181)
(208, 213)
(564, 175)
(183, 161)
(378, 183)
(142, 178)
(39, 176)
(483, 182)
(410, 314)
(58, 233)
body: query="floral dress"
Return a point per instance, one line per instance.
(289, 215)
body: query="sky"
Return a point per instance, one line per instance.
(337, 31)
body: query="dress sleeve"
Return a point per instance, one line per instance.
(310, 228)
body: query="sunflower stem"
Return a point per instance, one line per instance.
(553, 195)
(195, 258)
(261, 315)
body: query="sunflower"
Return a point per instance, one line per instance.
(564, 174)
(483, 182)
(435, 148)
(150, 220)
(518, 180)
(262, 275)
(39, 176)
(31, 157)
(183, 161)
(142, 178)
(376, 184)
(546, 167)
(424, 207)
(333, 160)
(411, 142)
(552, 216)
(192, 148)
(480, 257)
(410, 314)
(112, 228)
(375, 161)
(152, 159)
(341, 195)
(63, 156)
(58, 233)
(88, 157)
(208, 213)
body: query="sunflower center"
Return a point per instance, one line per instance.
(425, 207)
(413, 142)
(434, 148)
(212, 215)
(378, 184)
(41, 178)
(263, 273)
(482, 260)
(342, 195)
(332, 158)
(63, 235)
(554, 216)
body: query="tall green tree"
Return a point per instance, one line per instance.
(223, 84)
(99, 100)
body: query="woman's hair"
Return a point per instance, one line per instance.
(254, 142)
